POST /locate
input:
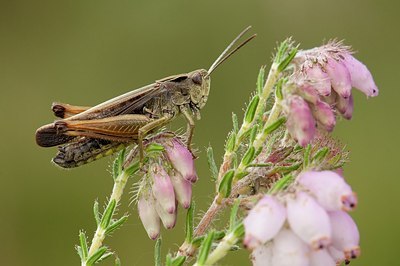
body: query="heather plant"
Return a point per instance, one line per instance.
(280, 180)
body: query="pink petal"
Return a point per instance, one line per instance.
(345, 235)
(263, 222)
(163, 190)
(300, 122)
(149, 216)
(340, 77)
(323, 113)
(289, 250)
(361, 77)
(309, 220)
(330, 190)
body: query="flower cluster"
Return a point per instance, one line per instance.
(307, 226)
(168, 181)
(321, 86)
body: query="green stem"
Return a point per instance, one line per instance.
(100, 234)
(222, 249)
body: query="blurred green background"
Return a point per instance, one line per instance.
(84, 52)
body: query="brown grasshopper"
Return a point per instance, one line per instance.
(89, 133)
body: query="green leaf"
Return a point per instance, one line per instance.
(117, 262)
(105, 256)
(286, 61)
(96, 212)
(253, 133)
(205, 249)
(157, 252)
(84, 247)
(108, 213)
(261, 80)
(251, 109)
(261, 165)
(96, 256)
(285, 169)
(306, 160)
(278, 90)
(168, 261)
(239, 230)
(281, 184)
(225, 185)
(118, 162)
(218, 235)
(189, 223)
(230, 143)
(235, 123)
(281, 51)
(117, 224)
(154, 147)
(274, 126)
(233, 215)
(320, 155)
(248, 157)
(197, 241)
(178, 261)
(241, 175)
(133, 168)
(79, 251)
(211, 163)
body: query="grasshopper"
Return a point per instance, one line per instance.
(85, 134)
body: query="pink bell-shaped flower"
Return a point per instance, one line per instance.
(309, 220)
(263, 222)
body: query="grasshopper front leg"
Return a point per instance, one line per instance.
(144, 130)
(190, 125)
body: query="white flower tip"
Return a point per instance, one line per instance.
(192, 178)
(186, 204)
(349, 201)
(352, 253)
(171, 209)
(153, 234)
(250, 242)
(320, 243)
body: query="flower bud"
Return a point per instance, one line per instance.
(168, 219)
(149, 217)
(340, 77)
(323, 113)
(181, 159)
(321, 258)
(183, 189)
(361, 77)
(345, 106)
(345, 235)
(263, 222)
(319, 80)
(309, 220)
(308, 93)
(163, 190)
(289, 250)
(330, 190)
(262, 255)
(300, 122)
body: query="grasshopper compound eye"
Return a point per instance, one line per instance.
(197, 78)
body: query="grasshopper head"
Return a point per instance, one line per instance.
(200, 89)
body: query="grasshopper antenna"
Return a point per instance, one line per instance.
(225, 54)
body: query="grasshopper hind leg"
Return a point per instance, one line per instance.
(64, 110)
